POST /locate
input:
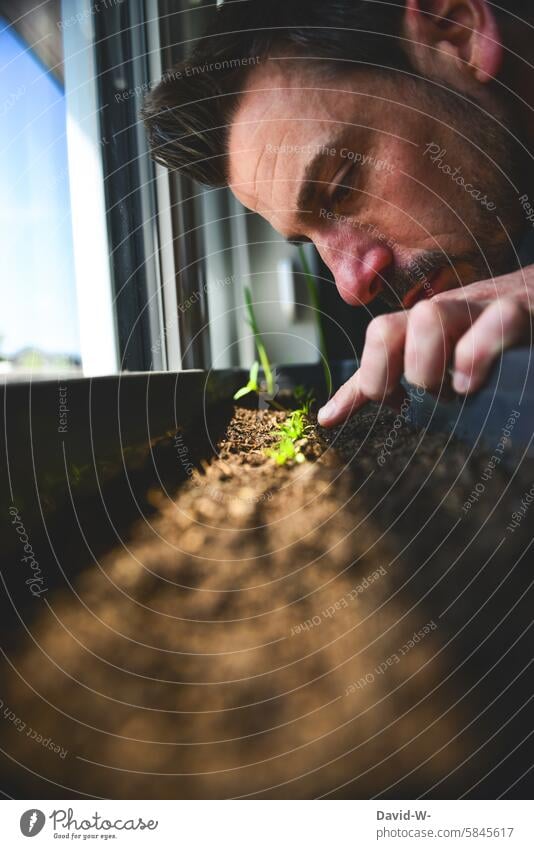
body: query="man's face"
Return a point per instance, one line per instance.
(401, 187)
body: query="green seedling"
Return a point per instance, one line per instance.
(252, 385)
(286, 452)
(296, 424)
(258, 341)
(314, 298)
(291, 435)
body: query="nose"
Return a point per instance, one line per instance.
(358, 274)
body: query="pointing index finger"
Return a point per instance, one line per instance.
(344, 403)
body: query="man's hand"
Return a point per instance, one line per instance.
(463, 330)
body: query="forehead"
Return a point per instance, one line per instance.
(284, 114)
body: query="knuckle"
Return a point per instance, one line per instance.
(380, 328)
(427, 312)
(510, 309)
(445, 297)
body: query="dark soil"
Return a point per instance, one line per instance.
(254, 635)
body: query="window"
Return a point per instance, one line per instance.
(110, 262)
(38, 319)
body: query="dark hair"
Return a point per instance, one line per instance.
(187, 115)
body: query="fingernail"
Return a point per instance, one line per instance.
(327, 412)
(460, 382)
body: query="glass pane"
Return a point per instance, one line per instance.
(38, 317)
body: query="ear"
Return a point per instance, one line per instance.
(462, 36)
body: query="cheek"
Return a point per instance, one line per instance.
(448, 189)
(401, 208)
(420, 200)
(405, 188)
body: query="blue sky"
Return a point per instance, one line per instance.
(37, 284)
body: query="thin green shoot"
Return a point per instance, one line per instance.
(258, 341)
(314, 298)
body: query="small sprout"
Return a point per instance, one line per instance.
(292, 436)
(252, 385)
(283, 452)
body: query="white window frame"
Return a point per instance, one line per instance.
(96, 312)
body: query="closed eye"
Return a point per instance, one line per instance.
(344, 188)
